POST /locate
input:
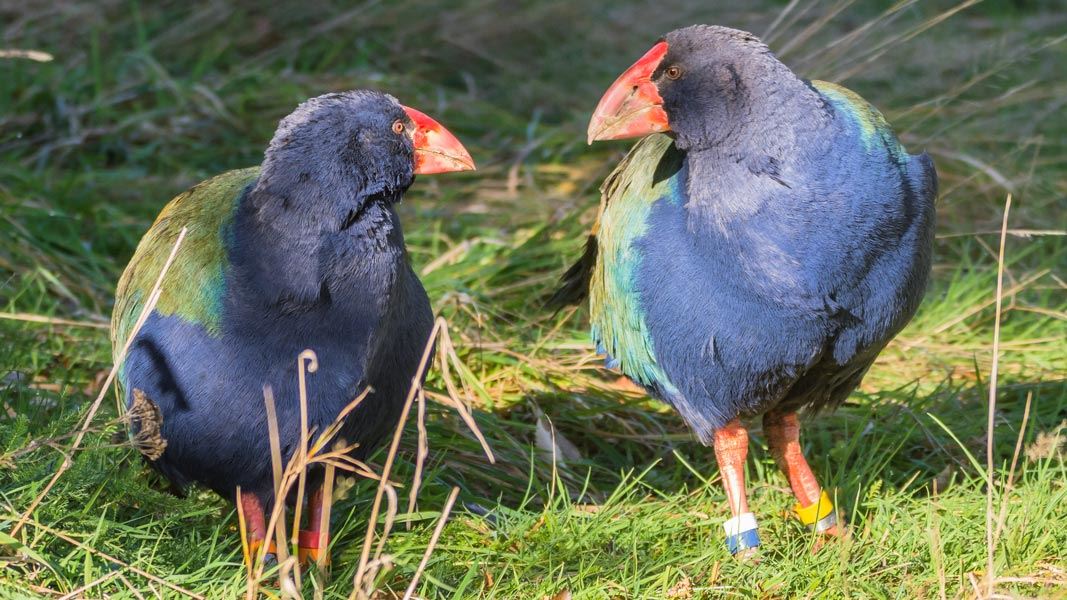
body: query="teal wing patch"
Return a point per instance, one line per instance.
(193, 286)
(627, 196)
(875, 131)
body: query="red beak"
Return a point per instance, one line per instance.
(632, 106)
(436, 149)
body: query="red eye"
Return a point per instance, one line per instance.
(398, 127)
(673, 72)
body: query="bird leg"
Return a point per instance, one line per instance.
(731, 450)
(257, 526)
(814, 507)
(311, 547)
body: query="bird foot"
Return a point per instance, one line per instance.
(270, 559)
(749, 556)
(835, 532)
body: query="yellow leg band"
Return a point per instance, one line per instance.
(810, 515)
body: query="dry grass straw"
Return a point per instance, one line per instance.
(99, 581)
(306, 363)
(392, 506)
(991, 421)
(129, 586)
(449, 361)
(368, 568)
(327, 509)
(9, 460)
(277, 517)
(420, 454)
(1009, 484)
(433, 542)
(246, 551)
(314, 452)
(153, 297)
(34, 55)
(964, 315)
(857, 61)
(32, 318)
(937, 549)
(372, 520)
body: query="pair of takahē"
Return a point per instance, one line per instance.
(753, 254)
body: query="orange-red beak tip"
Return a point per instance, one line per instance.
(436, 149)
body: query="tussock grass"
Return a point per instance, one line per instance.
(596, 491)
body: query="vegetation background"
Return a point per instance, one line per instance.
(597, 492)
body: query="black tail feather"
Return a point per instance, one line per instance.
(574, 285)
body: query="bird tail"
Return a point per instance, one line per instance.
(574, 284)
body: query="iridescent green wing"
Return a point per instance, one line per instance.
(874, 130)
(617, 317)
(193, 286)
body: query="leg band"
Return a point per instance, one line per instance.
(826, 523)
(741, 533)
(310, 547)
(819, 515)
(309, 539)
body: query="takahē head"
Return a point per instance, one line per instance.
(696, 82)
(355, 145)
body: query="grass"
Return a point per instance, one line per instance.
(145, 99)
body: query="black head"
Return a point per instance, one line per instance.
(348, 146)
(698, 82)
(707, 79)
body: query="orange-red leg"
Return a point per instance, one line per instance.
(255, 520)
(813, 505)
(311, 547)
(731, 450)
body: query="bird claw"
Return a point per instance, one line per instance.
(749, 556)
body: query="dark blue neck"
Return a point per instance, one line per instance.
(294, 253)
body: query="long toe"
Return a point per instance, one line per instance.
(749, 556)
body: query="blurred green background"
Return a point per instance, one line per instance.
(144, 99)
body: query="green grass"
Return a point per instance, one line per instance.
(145, 99)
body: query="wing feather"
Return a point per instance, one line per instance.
(193, 286)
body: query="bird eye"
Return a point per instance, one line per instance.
(398, 127)
(673, 72)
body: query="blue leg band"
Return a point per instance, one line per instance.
(742, 541)
(741, 533)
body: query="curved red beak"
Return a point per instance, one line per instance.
(632, 106)
(436, 149)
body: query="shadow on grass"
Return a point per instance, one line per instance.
(903, 439)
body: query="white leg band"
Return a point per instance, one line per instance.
(740, 524)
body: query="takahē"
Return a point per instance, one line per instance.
(303, 252)
(754, 252)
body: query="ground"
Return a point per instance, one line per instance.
(145, 99)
